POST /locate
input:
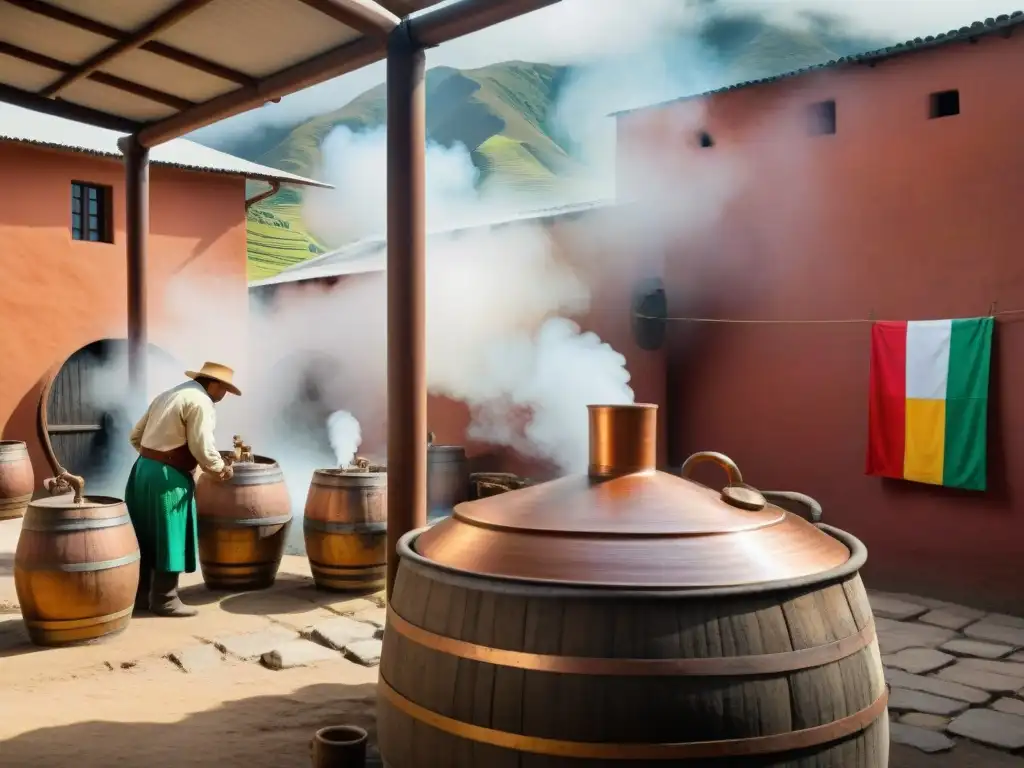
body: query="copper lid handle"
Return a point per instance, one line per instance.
(703, 457)
(736, 493)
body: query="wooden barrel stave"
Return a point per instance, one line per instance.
(345, 530)
(17, 481)
(650, 709)
(243, 527)
(76, 571)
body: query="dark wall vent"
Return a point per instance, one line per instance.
(650, 309)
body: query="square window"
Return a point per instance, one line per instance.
(944, 104)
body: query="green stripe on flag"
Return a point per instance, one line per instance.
(970, 354)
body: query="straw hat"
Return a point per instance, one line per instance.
(217, 372)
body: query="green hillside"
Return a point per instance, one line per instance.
(503, 114)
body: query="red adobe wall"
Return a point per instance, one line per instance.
(895, 215)
(57, 294)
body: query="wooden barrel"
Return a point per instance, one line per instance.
(76, 569)
(345, 528)
(447, 478)
(501, 674)
(16, 479)
(243, 526)
(630, 617)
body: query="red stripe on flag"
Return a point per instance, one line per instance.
(887, 399)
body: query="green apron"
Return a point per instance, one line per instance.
(162, 505)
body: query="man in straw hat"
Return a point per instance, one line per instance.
(173, 438)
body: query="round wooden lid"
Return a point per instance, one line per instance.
(644, 529)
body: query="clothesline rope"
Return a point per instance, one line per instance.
(836, 321)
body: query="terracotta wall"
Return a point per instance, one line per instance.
(611, 281)
(57, 294)
(896, 216)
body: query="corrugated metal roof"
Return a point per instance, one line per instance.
(28, 127)
(989, 26)
(370, 254)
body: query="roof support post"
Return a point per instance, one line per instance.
(136, 190)
(406, 280)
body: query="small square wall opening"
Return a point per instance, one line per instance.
(706, 140)
(822, 118)
(944, 104)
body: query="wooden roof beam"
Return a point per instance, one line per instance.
(67, 110)
(127, 86)
(365, 16)
(432, 28)
(163, 50)
(131, 42)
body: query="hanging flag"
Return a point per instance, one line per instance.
(928, 403)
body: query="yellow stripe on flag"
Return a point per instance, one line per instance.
(925, 441)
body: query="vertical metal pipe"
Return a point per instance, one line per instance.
(406, 275)
(136, 158)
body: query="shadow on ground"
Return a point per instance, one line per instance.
(259, 732)
(290, 594)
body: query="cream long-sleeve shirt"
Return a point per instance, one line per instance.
(181, 416)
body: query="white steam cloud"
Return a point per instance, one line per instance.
(345, 436)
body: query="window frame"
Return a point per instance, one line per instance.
(83, 193)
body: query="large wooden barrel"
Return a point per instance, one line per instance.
(345, 528)
(447, 478)
(630, 617)
(243, 526)
(17, 482)
(76, 569)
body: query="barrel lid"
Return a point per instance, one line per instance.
(640, 529)
(66, 501)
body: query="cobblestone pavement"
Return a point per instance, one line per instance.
(955, 673)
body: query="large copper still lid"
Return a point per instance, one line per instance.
(624, 524)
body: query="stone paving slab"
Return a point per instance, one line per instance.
(339, 632)
(945, 688)
(924, 739)
(365, 652)
(976, 648)
(904, 700)
(954, 617)
(965, 674)
(252, 645)
(298, 653)
(997, 729)
(995, 632)
(894, 608)
(895, 636)
(1008, 668)
(1017, 657)
(924, 720)
(375, 616)
(1005, 620)
(1009, 705)
(197, 658)
(918, 660)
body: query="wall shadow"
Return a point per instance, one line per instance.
(257, 732)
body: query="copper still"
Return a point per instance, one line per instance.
(243, 523)
(345, 527)
(634, 617)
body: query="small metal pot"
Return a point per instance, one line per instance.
(339, 746)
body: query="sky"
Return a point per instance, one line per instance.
(582, 31)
